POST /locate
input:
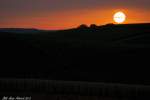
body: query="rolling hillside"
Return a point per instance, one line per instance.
(109, 53)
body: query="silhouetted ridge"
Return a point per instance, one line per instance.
(104, 53)
(19, 30)
(111, 25)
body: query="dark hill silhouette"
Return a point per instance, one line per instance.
(108, 53)
(20, 30)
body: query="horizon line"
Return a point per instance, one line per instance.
(88, 26)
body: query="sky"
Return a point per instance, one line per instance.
(65, 14)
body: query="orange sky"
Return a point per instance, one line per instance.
(73, 18)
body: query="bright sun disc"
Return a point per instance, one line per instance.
(119, 17)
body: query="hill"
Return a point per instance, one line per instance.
(109, 53)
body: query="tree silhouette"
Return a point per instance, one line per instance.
(93, 26)
(83, 26)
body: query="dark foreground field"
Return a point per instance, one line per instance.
(31, 89)
(109, 62)
(109, 53)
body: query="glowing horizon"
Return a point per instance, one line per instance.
(64, 16)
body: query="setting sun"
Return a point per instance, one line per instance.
(119, 17)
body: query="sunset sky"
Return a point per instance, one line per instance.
(64, 14)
